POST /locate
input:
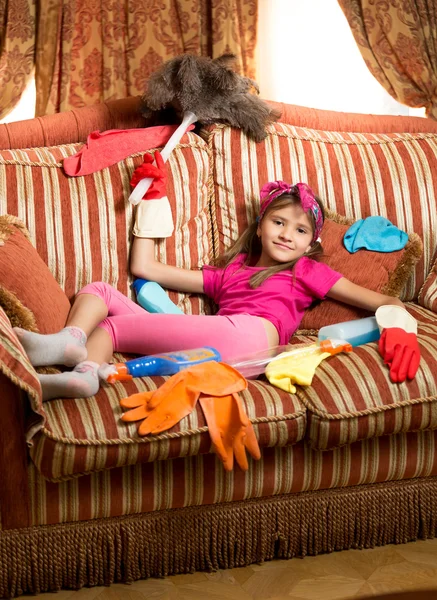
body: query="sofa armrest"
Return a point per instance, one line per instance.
(18, 383)
(14, 489)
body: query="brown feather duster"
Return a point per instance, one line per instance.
(210, 89)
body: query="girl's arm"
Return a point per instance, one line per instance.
(143, 264)
(351, 293)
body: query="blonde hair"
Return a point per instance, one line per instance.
(250, 244)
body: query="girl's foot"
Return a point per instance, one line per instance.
(81, 382)
(67, 347)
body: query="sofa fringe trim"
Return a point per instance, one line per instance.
(207, 538)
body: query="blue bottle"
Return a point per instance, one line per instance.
(357, 332)
(152, 297)
(162, 364)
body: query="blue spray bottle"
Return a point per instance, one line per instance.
(160, 364)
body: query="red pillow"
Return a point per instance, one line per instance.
(29, 294)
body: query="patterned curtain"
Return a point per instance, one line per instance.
(17, 49)
(398, 41)
(94, 50)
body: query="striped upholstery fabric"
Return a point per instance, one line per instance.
(86, 435)
(201, 480)
(428, 293)
(16, 366)
(352, 398)
(356, 174)
(81, 225)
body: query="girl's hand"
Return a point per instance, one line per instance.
(400, 350)
(157, 173)
(398, 343)
(153, 218)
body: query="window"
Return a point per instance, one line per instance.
(25, 108)
(307, 55)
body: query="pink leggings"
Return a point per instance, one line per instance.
(136, 331)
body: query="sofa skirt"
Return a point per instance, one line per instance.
(210, 537)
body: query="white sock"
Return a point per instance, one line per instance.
(81, 382)
(67, 347)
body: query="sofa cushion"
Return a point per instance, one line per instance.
(384, 272)
(86, 435)
(81, 226)
(352, 398)
(428, 292)
(356, 174)
(29, 294)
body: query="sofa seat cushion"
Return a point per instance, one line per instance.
(352, 397)
(87, 435)
(81, 226)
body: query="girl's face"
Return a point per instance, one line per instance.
(285, 233)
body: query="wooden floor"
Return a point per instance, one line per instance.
(341, 575)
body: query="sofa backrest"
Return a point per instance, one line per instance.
(81, 226)
(360, 165)
(357, 174)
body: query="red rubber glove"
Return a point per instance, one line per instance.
(157, 173)
(400, 350)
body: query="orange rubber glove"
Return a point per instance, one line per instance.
(176, 398)
(230, 430)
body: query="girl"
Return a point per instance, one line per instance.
(262, 285)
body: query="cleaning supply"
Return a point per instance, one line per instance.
(398, 345)
(173, 362)
(143, 184)
(158, 364)
(254, 365)
(152, 297)
(357, 332)
(106, 148)
(374, 233)
(215, 385)
(230, 429)
(299, 364)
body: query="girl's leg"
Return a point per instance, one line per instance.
(71, 346)
(233, 336)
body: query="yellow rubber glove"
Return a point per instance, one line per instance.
(289, 368)
(161, 409)
(230, 430)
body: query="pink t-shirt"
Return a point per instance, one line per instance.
(282, 298)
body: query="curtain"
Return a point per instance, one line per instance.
(398, 41)
(88, 51)
(17, 48)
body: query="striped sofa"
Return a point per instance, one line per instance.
(350, 462)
